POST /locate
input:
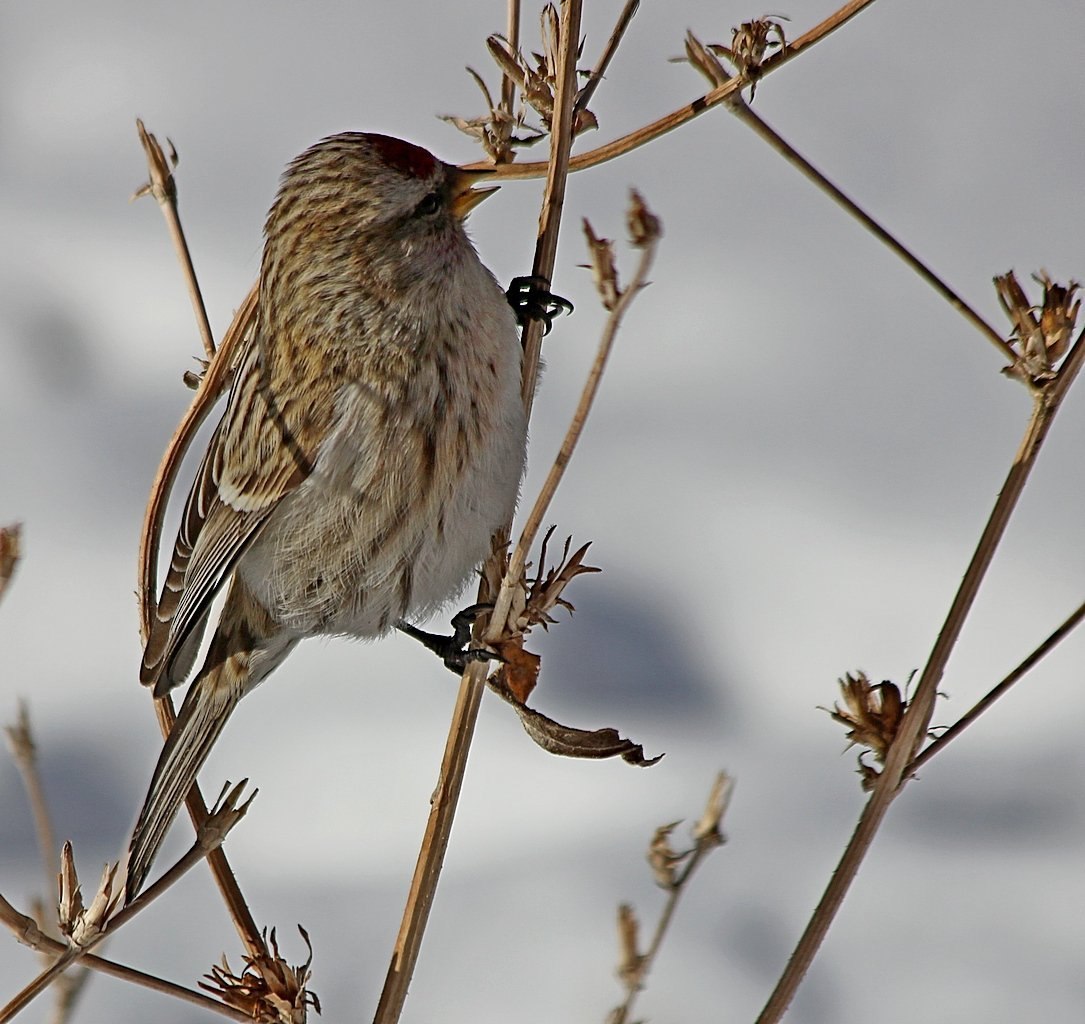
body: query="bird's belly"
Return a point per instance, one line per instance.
(343, 559)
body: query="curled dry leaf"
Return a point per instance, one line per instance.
(567, 741)
(268, 989)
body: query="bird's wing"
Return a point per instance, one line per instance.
(253, 461)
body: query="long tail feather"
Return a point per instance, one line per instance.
(206, 708)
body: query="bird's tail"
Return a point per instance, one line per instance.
(206, 707)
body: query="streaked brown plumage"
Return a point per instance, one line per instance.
(373, 441)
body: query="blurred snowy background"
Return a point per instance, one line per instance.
(795, 449)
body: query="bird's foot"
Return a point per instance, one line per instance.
(531, 299)
(453, 650)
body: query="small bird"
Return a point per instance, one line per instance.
(373, 441)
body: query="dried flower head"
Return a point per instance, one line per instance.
(751, 43)
(644, 226)
(872, 713)
(83, 924)
(1040, 334)
(269, 990)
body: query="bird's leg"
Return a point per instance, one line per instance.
(531, 299)
(453, 650)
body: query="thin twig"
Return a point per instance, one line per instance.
(917, 718)
(164, 188)
(512, 34)
(24, 754)
(72, 953)
(677, 118)
(598, 73)
(28, 933)
(738, 106)
(1064, 630)
(465, 714)
(572, 435)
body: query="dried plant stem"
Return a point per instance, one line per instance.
(1061, 633)
(917, 718)
(465, 714)
(27, 932)
(738, 106)
(215, 380)
(677, 118)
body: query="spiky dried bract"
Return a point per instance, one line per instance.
(82, 924)
(1041, 334)
(603, 268)
(224, 816)
(533, 600)
(704, 58)
(707, 832)
(872, 713)
(9, 553)
(268, 989)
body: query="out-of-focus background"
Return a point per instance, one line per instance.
(794, 451)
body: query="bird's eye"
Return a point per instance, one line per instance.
(429, 205)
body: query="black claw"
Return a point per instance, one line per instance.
(531, 299)
(453, 650)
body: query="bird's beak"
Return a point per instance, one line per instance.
(464, 196)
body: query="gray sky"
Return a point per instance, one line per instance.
(795, 449)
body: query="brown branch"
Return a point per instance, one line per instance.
(738, 106)
(917, 718)
(1061, 633)
(454, 764)
(29, 934)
